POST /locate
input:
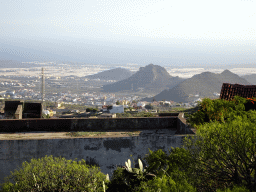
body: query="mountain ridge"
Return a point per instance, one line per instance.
(148, 77)
(205, 84)
(112, 74)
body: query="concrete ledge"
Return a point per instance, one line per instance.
(183, 127)
(177, 123)
(77, 124)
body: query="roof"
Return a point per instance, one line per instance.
(228, 91)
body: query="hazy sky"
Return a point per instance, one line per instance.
(126, 31)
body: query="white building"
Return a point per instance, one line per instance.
(216, 94)
(140, 104)
(117, 109)
(195, 102)
(46, 112)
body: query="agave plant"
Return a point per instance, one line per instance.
(133, 177)
(107, 178)
(138, 174)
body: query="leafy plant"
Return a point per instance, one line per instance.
(226, 152)
(218, 109)
(91, 109)
(234, 189)
(165, 184)
(46, 116)
(48, 174)
(149, 106)
(128, 178)
(165, 173)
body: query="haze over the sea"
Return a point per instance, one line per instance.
(163, 32)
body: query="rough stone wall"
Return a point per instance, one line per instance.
(103, 124)
(106, 153)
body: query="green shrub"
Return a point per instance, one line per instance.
(165, 184)
(48, 174)
(128, 178)
(125, 114)
(91, 109)
(218, 109)
(168, 173)
(234, 189)
(117, 183)
(149, 115)
(225, 152)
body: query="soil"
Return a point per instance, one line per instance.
(64, 135)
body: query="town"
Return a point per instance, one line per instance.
(67, 96)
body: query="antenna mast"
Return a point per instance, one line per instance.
(43, 88)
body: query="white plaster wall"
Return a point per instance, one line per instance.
(105, 152)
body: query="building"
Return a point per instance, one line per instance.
(141, 104)
(19, 110)
(228, 91)
(11, 107)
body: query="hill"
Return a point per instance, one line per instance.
(151, 77)
(250, 78)
(204, 84)
(112, 74)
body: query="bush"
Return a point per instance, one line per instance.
(225, 152)
(165, 184)
(128, 178)
(167, 173)
(149, 115)
(125, 114)
(234, 189)
(91, 110)
(218, 109)
(48, 174)
(149, 106)
(46, 116)
(117, 184)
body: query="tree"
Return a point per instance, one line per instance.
(58, 174)
(118, 103)
(226, 152)
(217, 109)
(149, 106)
(95, 110)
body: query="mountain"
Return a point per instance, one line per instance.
(150, 77)
(250, 78)
(204, 84)
(112, 74)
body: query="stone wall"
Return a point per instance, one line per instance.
(183, 127)
(157, 133)
(76, 124)
(106, 153)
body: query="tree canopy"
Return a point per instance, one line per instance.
(226, 152)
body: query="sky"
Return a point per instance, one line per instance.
(162, 32)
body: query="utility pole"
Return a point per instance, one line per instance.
(43, 88)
